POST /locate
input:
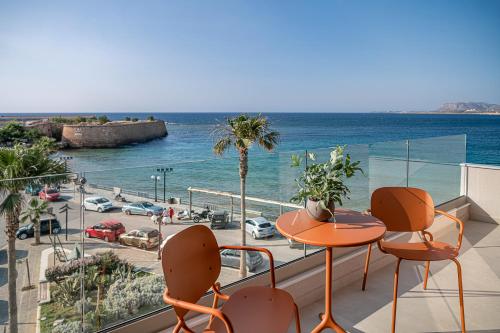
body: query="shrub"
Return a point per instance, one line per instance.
(135, 119)
(72, 327)
(150, 118)
(80, 120)
(15, 132)
(103, 120)
(87, 305)
(126, 298)
(67, 291)
(123, 272)
(109, 259)
(127, 118)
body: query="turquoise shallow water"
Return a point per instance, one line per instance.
(376, 139)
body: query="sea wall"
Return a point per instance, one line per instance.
(112, 134)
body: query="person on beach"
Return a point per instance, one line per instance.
(154, 218)
(171, 214)
(164, 215)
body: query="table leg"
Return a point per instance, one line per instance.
(327, 320)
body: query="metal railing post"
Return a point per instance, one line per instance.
(305, 203)
(407, 163)
(190, 202)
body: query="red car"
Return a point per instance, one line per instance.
(108, 230)
(50, 194)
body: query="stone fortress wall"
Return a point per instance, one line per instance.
(112, 134)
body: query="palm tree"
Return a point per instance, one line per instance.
(17, 165)
(33, 212)
(242, 132)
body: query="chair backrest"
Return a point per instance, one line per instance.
(403, 208)
(191, 264)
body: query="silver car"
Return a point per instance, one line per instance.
(259, 227)
(142, 208)
(231, 258)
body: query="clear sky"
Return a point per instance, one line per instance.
(338, 56)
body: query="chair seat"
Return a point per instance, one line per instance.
(424, 251)
(257, 309)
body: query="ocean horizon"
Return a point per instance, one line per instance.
(189, 135)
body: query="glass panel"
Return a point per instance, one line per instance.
(435, 166)
(95, 271)
(387, 164)
(42, 216)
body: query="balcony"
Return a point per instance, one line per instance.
(433, 310)
(435, 164)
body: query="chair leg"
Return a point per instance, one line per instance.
(461, 294)
(395, 301)
(186, 329)
(367, 263)
(427, 266)
(297, 318)
(177, 327)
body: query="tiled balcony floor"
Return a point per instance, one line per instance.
(433, 310)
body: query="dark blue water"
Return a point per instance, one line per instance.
(190, 135)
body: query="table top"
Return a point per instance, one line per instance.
(350, 229)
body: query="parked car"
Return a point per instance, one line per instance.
(33, 189)
(46, 223)
(108, 230)
(98, 204)
(142, 208)
(50, 194)
(219, 219)
(231, 258)
(144, 238)
(259, 227)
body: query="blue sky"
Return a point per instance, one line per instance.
(297, 56)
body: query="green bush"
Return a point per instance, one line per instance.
(67, 291)
(135, 119)
(72, 327)
(16, 132)
(109, 259)
(87, 305)
(103, 120)
(127, 298)
(127, 118)
(150, 118)
(80, 119)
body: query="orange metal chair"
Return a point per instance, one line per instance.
(191, 265)
(406, 209)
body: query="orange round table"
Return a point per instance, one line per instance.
(350, 229)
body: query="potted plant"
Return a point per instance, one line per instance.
(321, 185)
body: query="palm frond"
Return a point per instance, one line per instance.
(11, 204)
(222, 145)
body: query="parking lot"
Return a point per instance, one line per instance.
(147, 259)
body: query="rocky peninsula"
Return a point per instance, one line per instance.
(81, 132)
(112, 134)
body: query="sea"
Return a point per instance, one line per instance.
(190, 135)
(438, 144)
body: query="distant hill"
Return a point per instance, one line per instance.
(469, 107)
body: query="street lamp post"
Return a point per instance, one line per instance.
(65, 159)
(156, 179)
(164, 171)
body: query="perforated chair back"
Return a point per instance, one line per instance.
(403, 209)
(191, 264)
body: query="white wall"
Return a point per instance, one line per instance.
(481, 185)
